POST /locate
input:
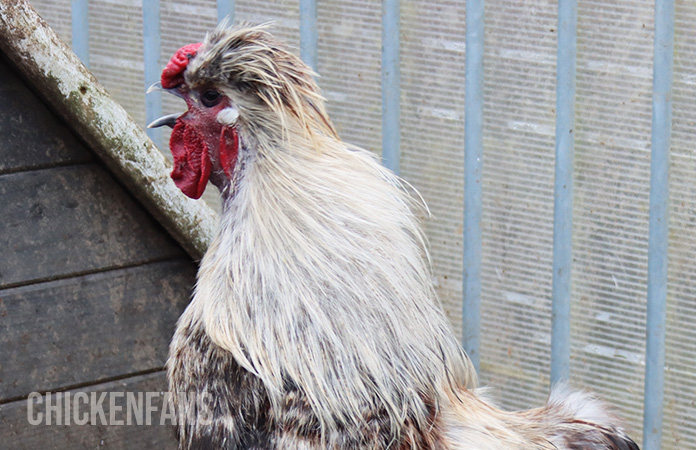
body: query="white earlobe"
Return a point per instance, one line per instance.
(228, 116)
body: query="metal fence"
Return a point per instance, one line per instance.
(474, 168)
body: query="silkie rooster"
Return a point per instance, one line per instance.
(314, 323)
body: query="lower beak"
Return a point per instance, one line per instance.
(169, 120)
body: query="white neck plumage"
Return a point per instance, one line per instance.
(319, 277)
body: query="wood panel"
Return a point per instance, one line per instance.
(18, 434)
(68, 220)
(95, 327)
(30, 135)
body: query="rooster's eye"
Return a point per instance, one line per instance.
(210, 98)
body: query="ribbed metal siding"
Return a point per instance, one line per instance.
(518, 176)
(680, 376)
(351, 83)
(432, 132)
(614, 91)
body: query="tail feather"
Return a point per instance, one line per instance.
(622, 442)
(585, 423)
(569, 421)
(595, 437)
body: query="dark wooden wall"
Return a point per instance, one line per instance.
(90, 285)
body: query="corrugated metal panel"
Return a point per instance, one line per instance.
(518, 174)
(432, 130)
(351, 83)
(680, 377)
(612, 166)
(116, 52)
(613, 117)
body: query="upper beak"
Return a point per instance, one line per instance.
(158, 87)
(169, 120)
(155, 87)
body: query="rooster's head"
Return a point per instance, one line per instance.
(246, 93)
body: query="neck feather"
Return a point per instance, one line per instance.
(319, 278)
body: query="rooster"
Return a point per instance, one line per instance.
(314, 323)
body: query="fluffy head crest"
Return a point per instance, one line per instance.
(258, 71)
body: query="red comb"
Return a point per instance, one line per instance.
(173, 74)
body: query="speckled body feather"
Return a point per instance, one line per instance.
(314, 322)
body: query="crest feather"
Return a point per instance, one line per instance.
(249, 59)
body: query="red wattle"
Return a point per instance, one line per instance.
(173, 73)
(191, 161)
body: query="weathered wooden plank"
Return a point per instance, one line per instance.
(59, 77)
(18, 434)
(68, 220)
(30, 135)
(75, 331)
